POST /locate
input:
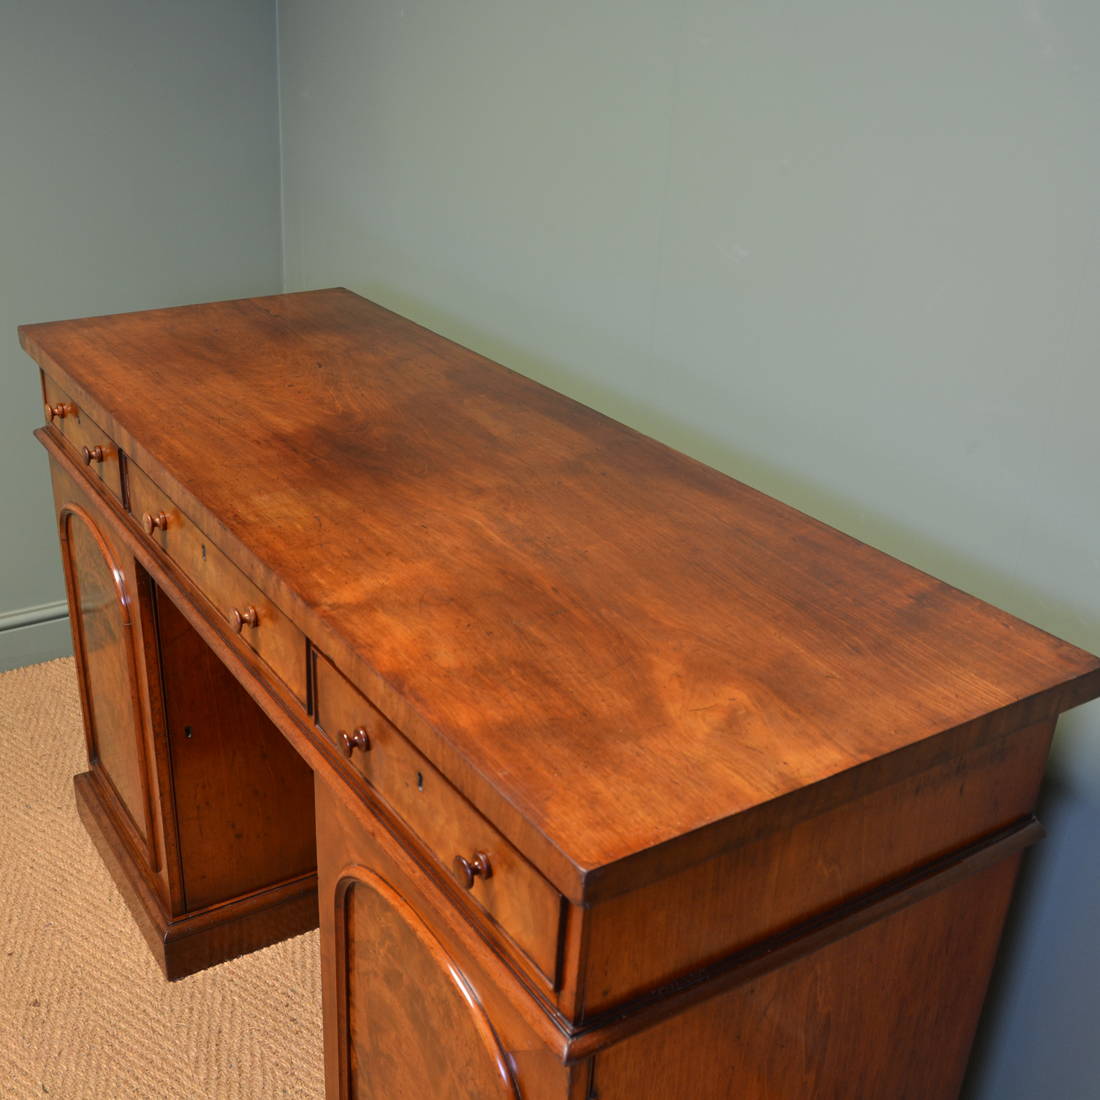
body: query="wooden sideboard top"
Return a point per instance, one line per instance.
(626, 659)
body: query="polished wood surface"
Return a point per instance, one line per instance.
(416, 1027)
(96, 449)
(525, 905)
(630, 782)
(188, 942)
(356, 842)
(832, 1026)
(247, 611)
(683, 656)
(212, 848)
(801, 871)
(106, 654)
(816, 934)
(352, 837)
(96, 572)
(244, 797)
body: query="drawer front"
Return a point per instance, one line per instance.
(93, 446)
(520, 900)
(272, 635)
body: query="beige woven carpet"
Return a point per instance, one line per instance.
(84, 1010)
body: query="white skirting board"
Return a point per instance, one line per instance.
(33, 635)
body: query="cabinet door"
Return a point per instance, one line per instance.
(411, 1010)
(414, 1028)
(102, 613)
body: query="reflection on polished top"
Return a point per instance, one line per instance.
(608, 646)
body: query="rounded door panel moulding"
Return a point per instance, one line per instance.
(411, 1026)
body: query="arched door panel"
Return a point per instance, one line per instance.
(103, 636)
(414, 1027)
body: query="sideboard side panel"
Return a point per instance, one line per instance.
(887, 1013)
(762, 888)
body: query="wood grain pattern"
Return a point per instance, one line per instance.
(627, 661)
(243, 797)
(349, 834)
(353, 842)
(80, 431)
(247, 821)
(101, 617)
(106, 657)
(169, 880)
(185, 944)
(886, 1014)
(527, 907)
(416, 1028)
(803, 940)
(281, 644)
(782, 780)
(714, 909)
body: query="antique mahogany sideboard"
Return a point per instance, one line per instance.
(605, 775)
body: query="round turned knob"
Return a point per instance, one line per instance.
(153, 523)
(88, 455)
(58, 411)
(357, 740)
(240, 619)
(466, 869)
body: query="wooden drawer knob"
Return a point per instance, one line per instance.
(466, 869)
(59, 411)
(240, 619)
(95, 453)
(153, 523)
(358, 740)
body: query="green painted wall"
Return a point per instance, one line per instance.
(844, 251)
(139, 167)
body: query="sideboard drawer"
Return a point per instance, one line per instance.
(520, 900)
(246, 610)
(95, 448)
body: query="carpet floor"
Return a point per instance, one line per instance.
(85, 1013)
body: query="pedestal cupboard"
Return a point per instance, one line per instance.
(604, 774)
